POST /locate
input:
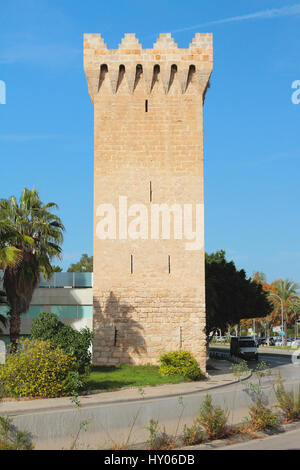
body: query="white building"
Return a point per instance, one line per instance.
(68, 295)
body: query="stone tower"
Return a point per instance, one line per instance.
(149, 280)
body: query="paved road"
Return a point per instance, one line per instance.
(282, 365)
(287, 441)
(290, 374)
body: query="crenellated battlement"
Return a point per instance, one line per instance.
(165, 64)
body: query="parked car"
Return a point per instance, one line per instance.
(244, 347)
(278, 341)
(262, 341)
(272, 341)
(296, 343)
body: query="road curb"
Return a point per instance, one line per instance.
(220, 444)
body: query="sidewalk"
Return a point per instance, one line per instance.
(261, 350)
(276, 352)
(217, 378)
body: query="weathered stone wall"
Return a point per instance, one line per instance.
(149, 294)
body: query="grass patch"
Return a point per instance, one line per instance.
(126, 375)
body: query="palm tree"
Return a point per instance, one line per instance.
(294, 314)
(9, 256)
(287, 290)
(2, 318)
(32, 235)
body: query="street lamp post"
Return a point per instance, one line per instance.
(281, 301)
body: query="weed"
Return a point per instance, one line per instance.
(288, 402)
(159, 439)
(213, 419)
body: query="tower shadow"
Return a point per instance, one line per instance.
(117, 334)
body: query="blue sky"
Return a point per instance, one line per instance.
(252, 161)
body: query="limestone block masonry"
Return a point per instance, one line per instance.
(149, 291)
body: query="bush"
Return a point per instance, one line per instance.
(192, 435)
(38, 370)
(159, 439)
(180, 363)
(48, 327)
(213, 419)
(11, 438)
(262, 418)
(288, 402)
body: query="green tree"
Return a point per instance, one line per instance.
(85, 265)
(230, 296)
(9, 255)
(259, 277)
(48, 327)
(287, 290)
(294, 315)
(56, 269)
(32, 230)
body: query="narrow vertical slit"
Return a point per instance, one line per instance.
(131, 264)
(156, 72)
(103, 72)
(169, 264)
(172, 76)
(180, 337)
(151, 191)
(192, 71)
(116, 337)
(138, 74)
(146, 106)
(121, 75)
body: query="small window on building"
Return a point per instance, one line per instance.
(131, 264)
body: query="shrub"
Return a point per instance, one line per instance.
(11, 438)
(38, 370)
(180, 363)
(159, 439)
(213, 419)
(288, 402)
(262, 418)
(192, 435)
(48, 327)
(240, 370)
